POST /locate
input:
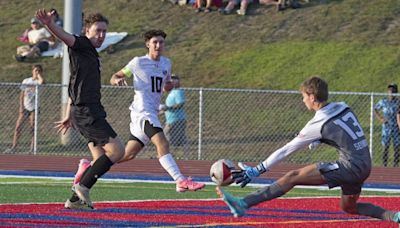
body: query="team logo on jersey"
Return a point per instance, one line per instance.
(165, 72)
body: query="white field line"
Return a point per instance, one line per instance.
(116, 180)
(211, 199)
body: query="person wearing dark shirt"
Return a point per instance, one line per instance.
(85, 111)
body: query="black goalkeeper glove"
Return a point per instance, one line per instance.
(244, 175)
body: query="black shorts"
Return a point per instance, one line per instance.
(27, 113)
(342, 173)
(42, 45)
(90, 121)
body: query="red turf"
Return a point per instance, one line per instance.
(317, 212)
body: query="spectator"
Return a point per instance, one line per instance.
(182, 2)
(27, 105)
(24, 36)
(175, 115)
(281, 4)
(199, 5)
(40, 40)
(233, 3)
(57, 18)
(172, 1)
(389, 117)
(277, 3)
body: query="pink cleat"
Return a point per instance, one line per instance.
(84, 164)
(188, 185)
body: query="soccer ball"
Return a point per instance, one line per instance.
(220, 172)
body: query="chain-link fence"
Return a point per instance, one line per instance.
(242, 125)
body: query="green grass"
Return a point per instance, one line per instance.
(345, 41)
(35, 190)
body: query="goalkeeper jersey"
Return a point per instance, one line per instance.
(335, 125)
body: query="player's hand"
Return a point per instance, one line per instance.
(44, 16)
(246, 173)
(121, 82)
(63, 125)
(162, 107)
(314, 145)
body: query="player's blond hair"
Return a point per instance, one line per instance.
(317, 87)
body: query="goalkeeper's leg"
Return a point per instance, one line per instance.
(308, 175)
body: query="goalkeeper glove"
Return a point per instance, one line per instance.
(314, 145)
(244, 175)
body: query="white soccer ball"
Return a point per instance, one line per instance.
(220, 172)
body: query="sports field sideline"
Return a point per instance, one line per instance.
(35, 199)
(140, 193)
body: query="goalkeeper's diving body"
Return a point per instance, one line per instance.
(334, 124)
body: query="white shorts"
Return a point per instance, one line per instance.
(137, 125)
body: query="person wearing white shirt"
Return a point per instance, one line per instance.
(40, 40)
(27, 105)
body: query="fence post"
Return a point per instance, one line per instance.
(35, 129)
(73, 25)
(200, 121)
(371, 126)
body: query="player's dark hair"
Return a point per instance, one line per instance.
(93, 18)
(317, 87)
(153, 33)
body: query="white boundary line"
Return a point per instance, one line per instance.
(118, 180)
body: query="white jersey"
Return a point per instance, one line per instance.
(149, 77)
(28, 88)
(335, 125)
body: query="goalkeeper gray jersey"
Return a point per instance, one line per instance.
(336, 125)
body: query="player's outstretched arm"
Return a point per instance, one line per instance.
(118, 79)
(47, 19)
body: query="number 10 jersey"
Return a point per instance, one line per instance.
(149, 77)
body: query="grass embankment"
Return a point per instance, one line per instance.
(354, 43)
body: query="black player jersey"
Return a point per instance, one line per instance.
(85, 82)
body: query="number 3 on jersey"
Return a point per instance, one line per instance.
(156, 84)
(349, 121)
